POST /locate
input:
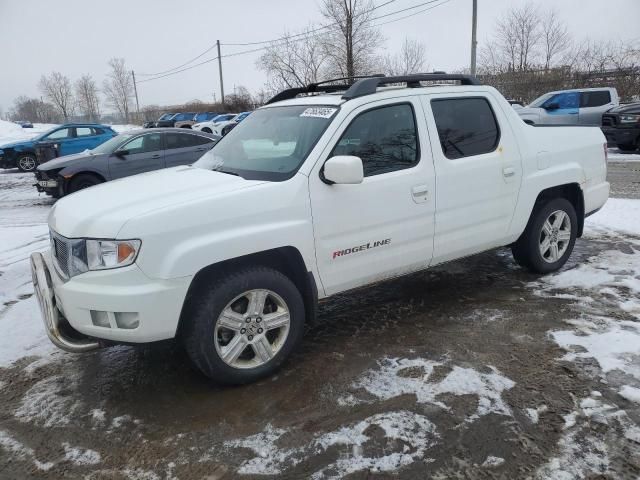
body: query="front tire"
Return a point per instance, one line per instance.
(27, 162)
(548, 240)
(82, 181)
(243, 326)
(207, 130)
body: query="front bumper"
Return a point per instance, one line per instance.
(621, 136)
(94, 303)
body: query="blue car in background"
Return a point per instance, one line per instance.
(68, 138)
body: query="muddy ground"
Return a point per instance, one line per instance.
(451, 373)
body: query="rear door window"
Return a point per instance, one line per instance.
(466, 126)
(84, 132)
(595, 99)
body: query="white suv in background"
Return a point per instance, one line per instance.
(327, 190)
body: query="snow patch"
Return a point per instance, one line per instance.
(619, 214)
(388, 381)
(21, 451)
(49, 403)
(492, 461)
(407, 437)
(81, 456)
(630, 393)
(534, 413)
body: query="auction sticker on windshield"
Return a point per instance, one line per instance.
(319, 112)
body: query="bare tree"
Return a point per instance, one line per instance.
(410, 59)
(555, 37)
(57, 89)
(351, 41)
(118, 87)
(518, 35)
(34, 110)
(87, 97)
(293, 61)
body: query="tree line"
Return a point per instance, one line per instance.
(532, 52)
(63, 100)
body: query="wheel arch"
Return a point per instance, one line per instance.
(287, 260)
(570, 191)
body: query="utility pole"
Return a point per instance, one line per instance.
(135, 89)
(220, 70)
(474, 43)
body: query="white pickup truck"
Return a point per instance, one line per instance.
(325, 189)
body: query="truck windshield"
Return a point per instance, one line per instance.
(540, 100)
(271, 143)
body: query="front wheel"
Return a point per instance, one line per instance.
(548, 240)
(82, 181)
(242, 327)
(27, 162)
(207, 130)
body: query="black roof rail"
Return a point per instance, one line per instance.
(315, 87)
(367, 86)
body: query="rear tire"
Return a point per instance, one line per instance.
(82, 181)
(548, 240)
(243, 326)
(27, 162)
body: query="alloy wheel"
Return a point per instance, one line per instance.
(555, 236)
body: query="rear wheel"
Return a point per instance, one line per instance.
(26, 162)
(548, 240)
(82, 181)
(242, 327)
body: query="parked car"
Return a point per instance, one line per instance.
(171, 122)
(226, 127)
(198, 117)
(69, 138)
(621, 126)
(583, 106)
(24, 123)
(163, 117)
(307, 198)
(129, 153)
(211, 125)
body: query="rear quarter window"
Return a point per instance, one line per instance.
(466, 126)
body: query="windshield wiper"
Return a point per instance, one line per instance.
(226, 171)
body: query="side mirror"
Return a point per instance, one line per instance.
(121, 153)
(344, 170)
(552, 106)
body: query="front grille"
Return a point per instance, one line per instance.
(609, 120)
(61, 252)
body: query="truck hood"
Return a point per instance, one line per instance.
(530, 113)
(632, 108)
(101, 211)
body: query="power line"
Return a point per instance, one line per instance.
(307, 36)
(180, 66)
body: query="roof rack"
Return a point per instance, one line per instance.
(316, 87)
(367, 86)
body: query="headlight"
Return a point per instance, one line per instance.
(104, 254)
(76, 256)
(629, 118)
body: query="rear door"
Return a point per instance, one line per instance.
(140, 154)
(478, 172)
(185, 148)
(593, 103)
(86, 138)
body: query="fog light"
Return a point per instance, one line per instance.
(127, 320)
(100, 319)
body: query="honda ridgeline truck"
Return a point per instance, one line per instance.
(325, 189)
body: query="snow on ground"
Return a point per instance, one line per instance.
(616, 155)
(395, 377)
(407, 437)
(618, 215)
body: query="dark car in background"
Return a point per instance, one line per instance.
(198, 117)
(24, 123)
(163, 117)
(129, 153)
(168, 120)
(621, 126)
(68, 139)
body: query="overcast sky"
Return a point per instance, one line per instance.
(79, 36)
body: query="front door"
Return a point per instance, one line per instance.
(140, 154)
(61, 138)
(478, 170)
(561, 109)
(384, 226)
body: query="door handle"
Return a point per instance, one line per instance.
(201, 149)
(420, 193)
(155, 156)
(508, 172)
